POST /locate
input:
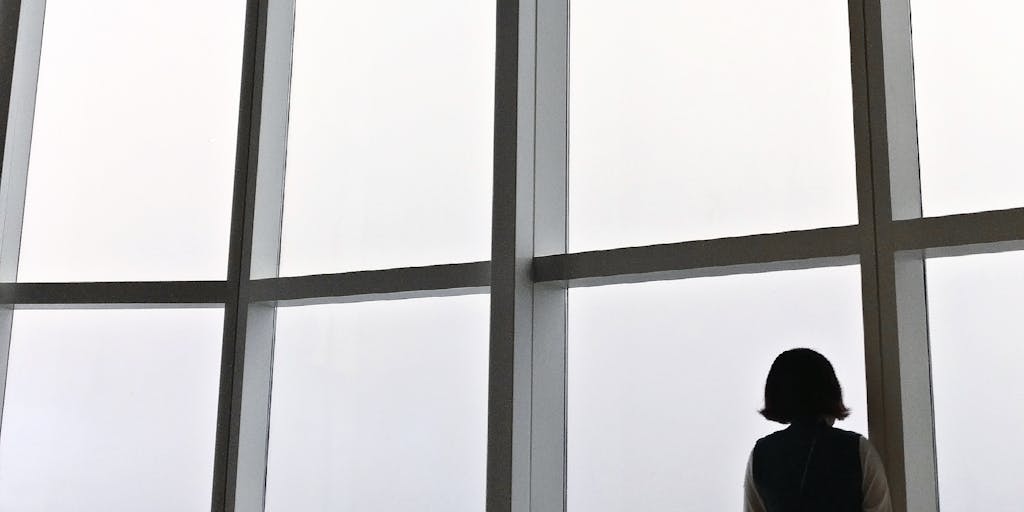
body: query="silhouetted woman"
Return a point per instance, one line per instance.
(811, 466)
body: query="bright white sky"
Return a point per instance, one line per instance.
(969, 107)
(111, 410)
(688, 120)
(380, 406)
(390, 135)
(133, 147)
(975, 332)
(700, 120)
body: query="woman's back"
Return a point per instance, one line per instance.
(808, 466)
(811, 466)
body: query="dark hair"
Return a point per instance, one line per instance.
(802, 385)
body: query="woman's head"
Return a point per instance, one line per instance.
(801, 384)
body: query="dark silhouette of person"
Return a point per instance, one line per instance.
(811, 466)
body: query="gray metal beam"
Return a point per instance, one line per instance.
(21, 29)
(895, 305)
(10, 11)
(714, 271)
(260, 250)
(957, 235)
(508, 391)
(526, 412)
(377, 297)
(460, 278)
(550, 196)
(881, 405)
(909, 285)
(10, 16)
(747, 254)
(230, 453)
(268, 203)
(113, 293)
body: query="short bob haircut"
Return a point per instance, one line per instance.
(802, 385)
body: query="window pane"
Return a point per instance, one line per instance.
(390, 135)
(694, 120)
(380, 406)
(665, 380)
(111, 410)
(970, 113)
(133, 146)
(974, 325)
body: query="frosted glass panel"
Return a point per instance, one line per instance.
(974, 306)
(111, 411)
(133, 148)
(665, 380)
(380, 406)
(694, 120)
(970, 113)
(390, 135)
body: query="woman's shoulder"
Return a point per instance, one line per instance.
(864, 446)
(848, 434)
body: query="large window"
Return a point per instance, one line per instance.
(133, 141)
(974, 305)
(380, 406)
(665, 378)
(110, 410)
(164, 163)
(970, 115)
(389, 135)
(699, 120)
(514, 256)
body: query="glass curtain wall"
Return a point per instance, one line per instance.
(201, 199)
(520, 256)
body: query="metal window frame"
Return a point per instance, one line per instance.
(530, 270)
(891, 243)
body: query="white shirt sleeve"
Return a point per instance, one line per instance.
(751, 499)
(874, 486)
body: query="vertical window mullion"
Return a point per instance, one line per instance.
(509, 374)
(526, 406)
(243, 415)
(550, 237)
(21, 33)
(264, 248)
(895, 306)
(908, 292)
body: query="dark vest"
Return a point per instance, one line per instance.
(832, 480)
